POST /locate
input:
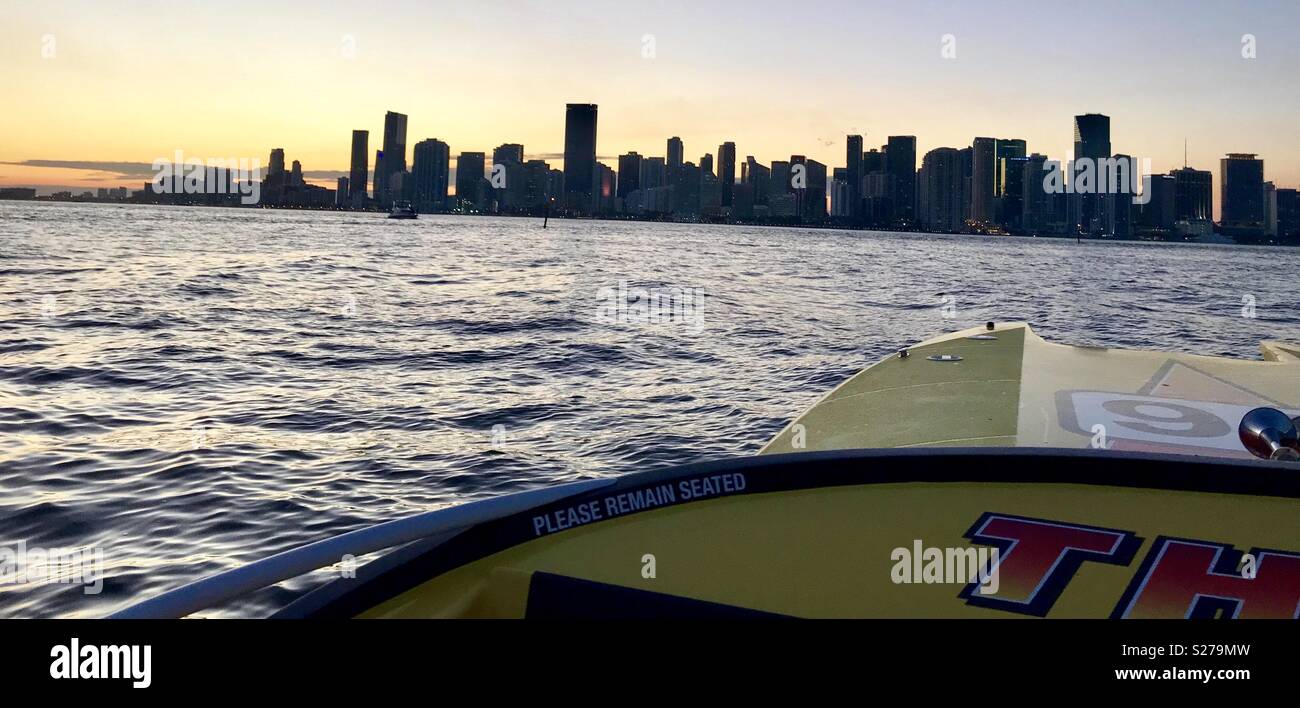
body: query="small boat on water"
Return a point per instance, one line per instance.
(984, 473)
(402, 210)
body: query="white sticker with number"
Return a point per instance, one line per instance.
(1163, 421)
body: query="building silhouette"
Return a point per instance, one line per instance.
(900, 161)
(727, 171)
(579, 155)
(359, 173)
(1091, 142)
(941, 192)
(430, 169)
(982, 180)
(629, 174)
(853, 176)
(1241, 194)
(470, 184)
(392, 160)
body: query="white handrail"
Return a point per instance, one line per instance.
(289, 564)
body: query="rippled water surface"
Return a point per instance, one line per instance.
(192, 389)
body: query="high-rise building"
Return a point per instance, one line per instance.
(1037, 204)
(357, 177)
(686, 190)
(629, 174)
(853, 174)
(341, 192)
(1007, 148)
(983, 174)
(900, 159)
(1117, 206)
(840, 193)
(579, 155)
(273, 185)
(727, 171)
(535, 178)
(1288, 216)
(469, 181)
(1091, 143)
(1270, 210)
(940, 191)
(653, 173)
(507, 177)
(1011, 199)
(873, 161)
(1241, 194)
(674, 153)
(508, 152)
(812, 194)
(758, 177)
(780, 183)
(275, 166)
(1193, 195)
(602, 189)
(393, 158)
(710, 194)
(430, 170)
(1157, 217)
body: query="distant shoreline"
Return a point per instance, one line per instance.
(1226, 241)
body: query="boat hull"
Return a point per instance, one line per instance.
(853, 534)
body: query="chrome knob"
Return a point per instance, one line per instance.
(1270, 434)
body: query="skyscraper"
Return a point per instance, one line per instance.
(507, 177)
(1288, 215)
(341, 192)
(674, 153)
(727, 171)
(393, 158)
(1037, 208)
(629, 174)
(430, 169)
(579, 155)
(900, 159)
(811, 193)
(758, 177)
(983, 174)
(1157, 217)
(1193, 195)
(1092, 143)
(940, 191)
(1011, 202)
(507, 153)
(780, 176)
(853, 175)
(536, 174)
(357, 177)
(653, 173)
(469, 180)
(1007, 148)
(1241, 194)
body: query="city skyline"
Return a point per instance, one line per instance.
(796, 84)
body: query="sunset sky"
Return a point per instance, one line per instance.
(116, 81)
